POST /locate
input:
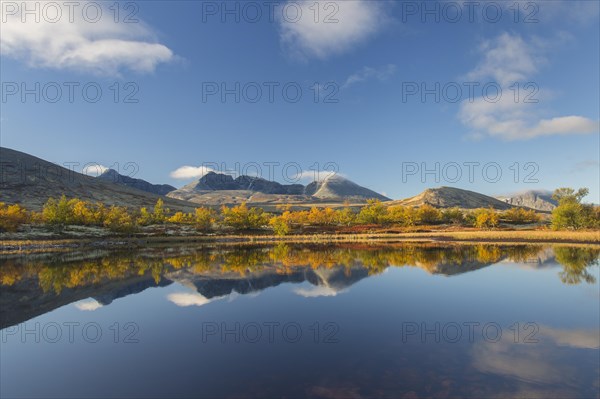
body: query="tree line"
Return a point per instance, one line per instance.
(570, 213)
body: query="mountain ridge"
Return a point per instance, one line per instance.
(28, 180)
(449, 197)
(113, 176)
(218, 189)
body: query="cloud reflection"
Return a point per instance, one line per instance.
(88, 305)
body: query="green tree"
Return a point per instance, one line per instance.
(575, 262)
(453, 215)
(373, 213)
(280, 225)
(570, 212)
(426, 214)
(345, 217)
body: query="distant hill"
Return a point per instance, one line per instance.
(30, 181)
(220, 189)
(448, 197)
(336, 186)
(111, 175)
(539, 200)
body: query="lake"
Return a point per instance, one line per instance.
(345, 321)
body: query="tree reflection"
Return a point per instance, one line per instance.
(66, 271)
(575, 262)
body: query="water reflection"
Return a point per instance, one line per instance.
(371, 292)
(34, 284)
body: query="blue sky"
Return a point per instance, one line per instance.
(373, 58)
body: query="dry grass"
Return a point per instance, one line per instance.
(470, 236)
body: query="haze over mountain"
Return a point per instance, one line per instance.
(30, 181)
(540, 200)
(218, 189)
(449, 197)
(112, 176)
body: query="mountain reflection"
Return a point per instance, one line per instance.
(37, 283)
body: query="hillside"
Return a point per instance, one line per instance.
(30, 181)
(336, 187)
(538, 200)
(448, 197)
(112, 176)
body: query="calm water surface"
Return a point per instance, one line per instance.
(354, 321)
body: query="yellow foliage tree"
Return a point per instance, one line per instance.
(485, 218)
(204, 218)
(119, 220)
(243, 218)
(12, 216)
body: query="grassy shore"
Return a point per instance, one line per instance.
(450, 236)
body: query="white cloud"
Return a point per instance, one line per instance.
(316, 175)
(88, 305)
(190, 172)
(103, 47)
(506, 59)
(94, 169)
(339, 26)
(509, 59)
(510, 120)
(368, 73)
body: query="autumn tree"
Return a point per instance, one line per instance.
(181, 218)
(204, 218)
(485, 218)
(453, 215)
(243, 218)
(345, 217)
(119, 220)
(145, 218)
(57, 212)
(427, 214)
(373, 213)
(280, 224)
(159, 214)
(520, 216)
(12, 216)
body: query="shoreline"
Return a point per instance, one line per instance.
(516, 237)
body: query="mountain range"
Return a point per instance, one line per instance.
(219, 189)
(30, 181)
